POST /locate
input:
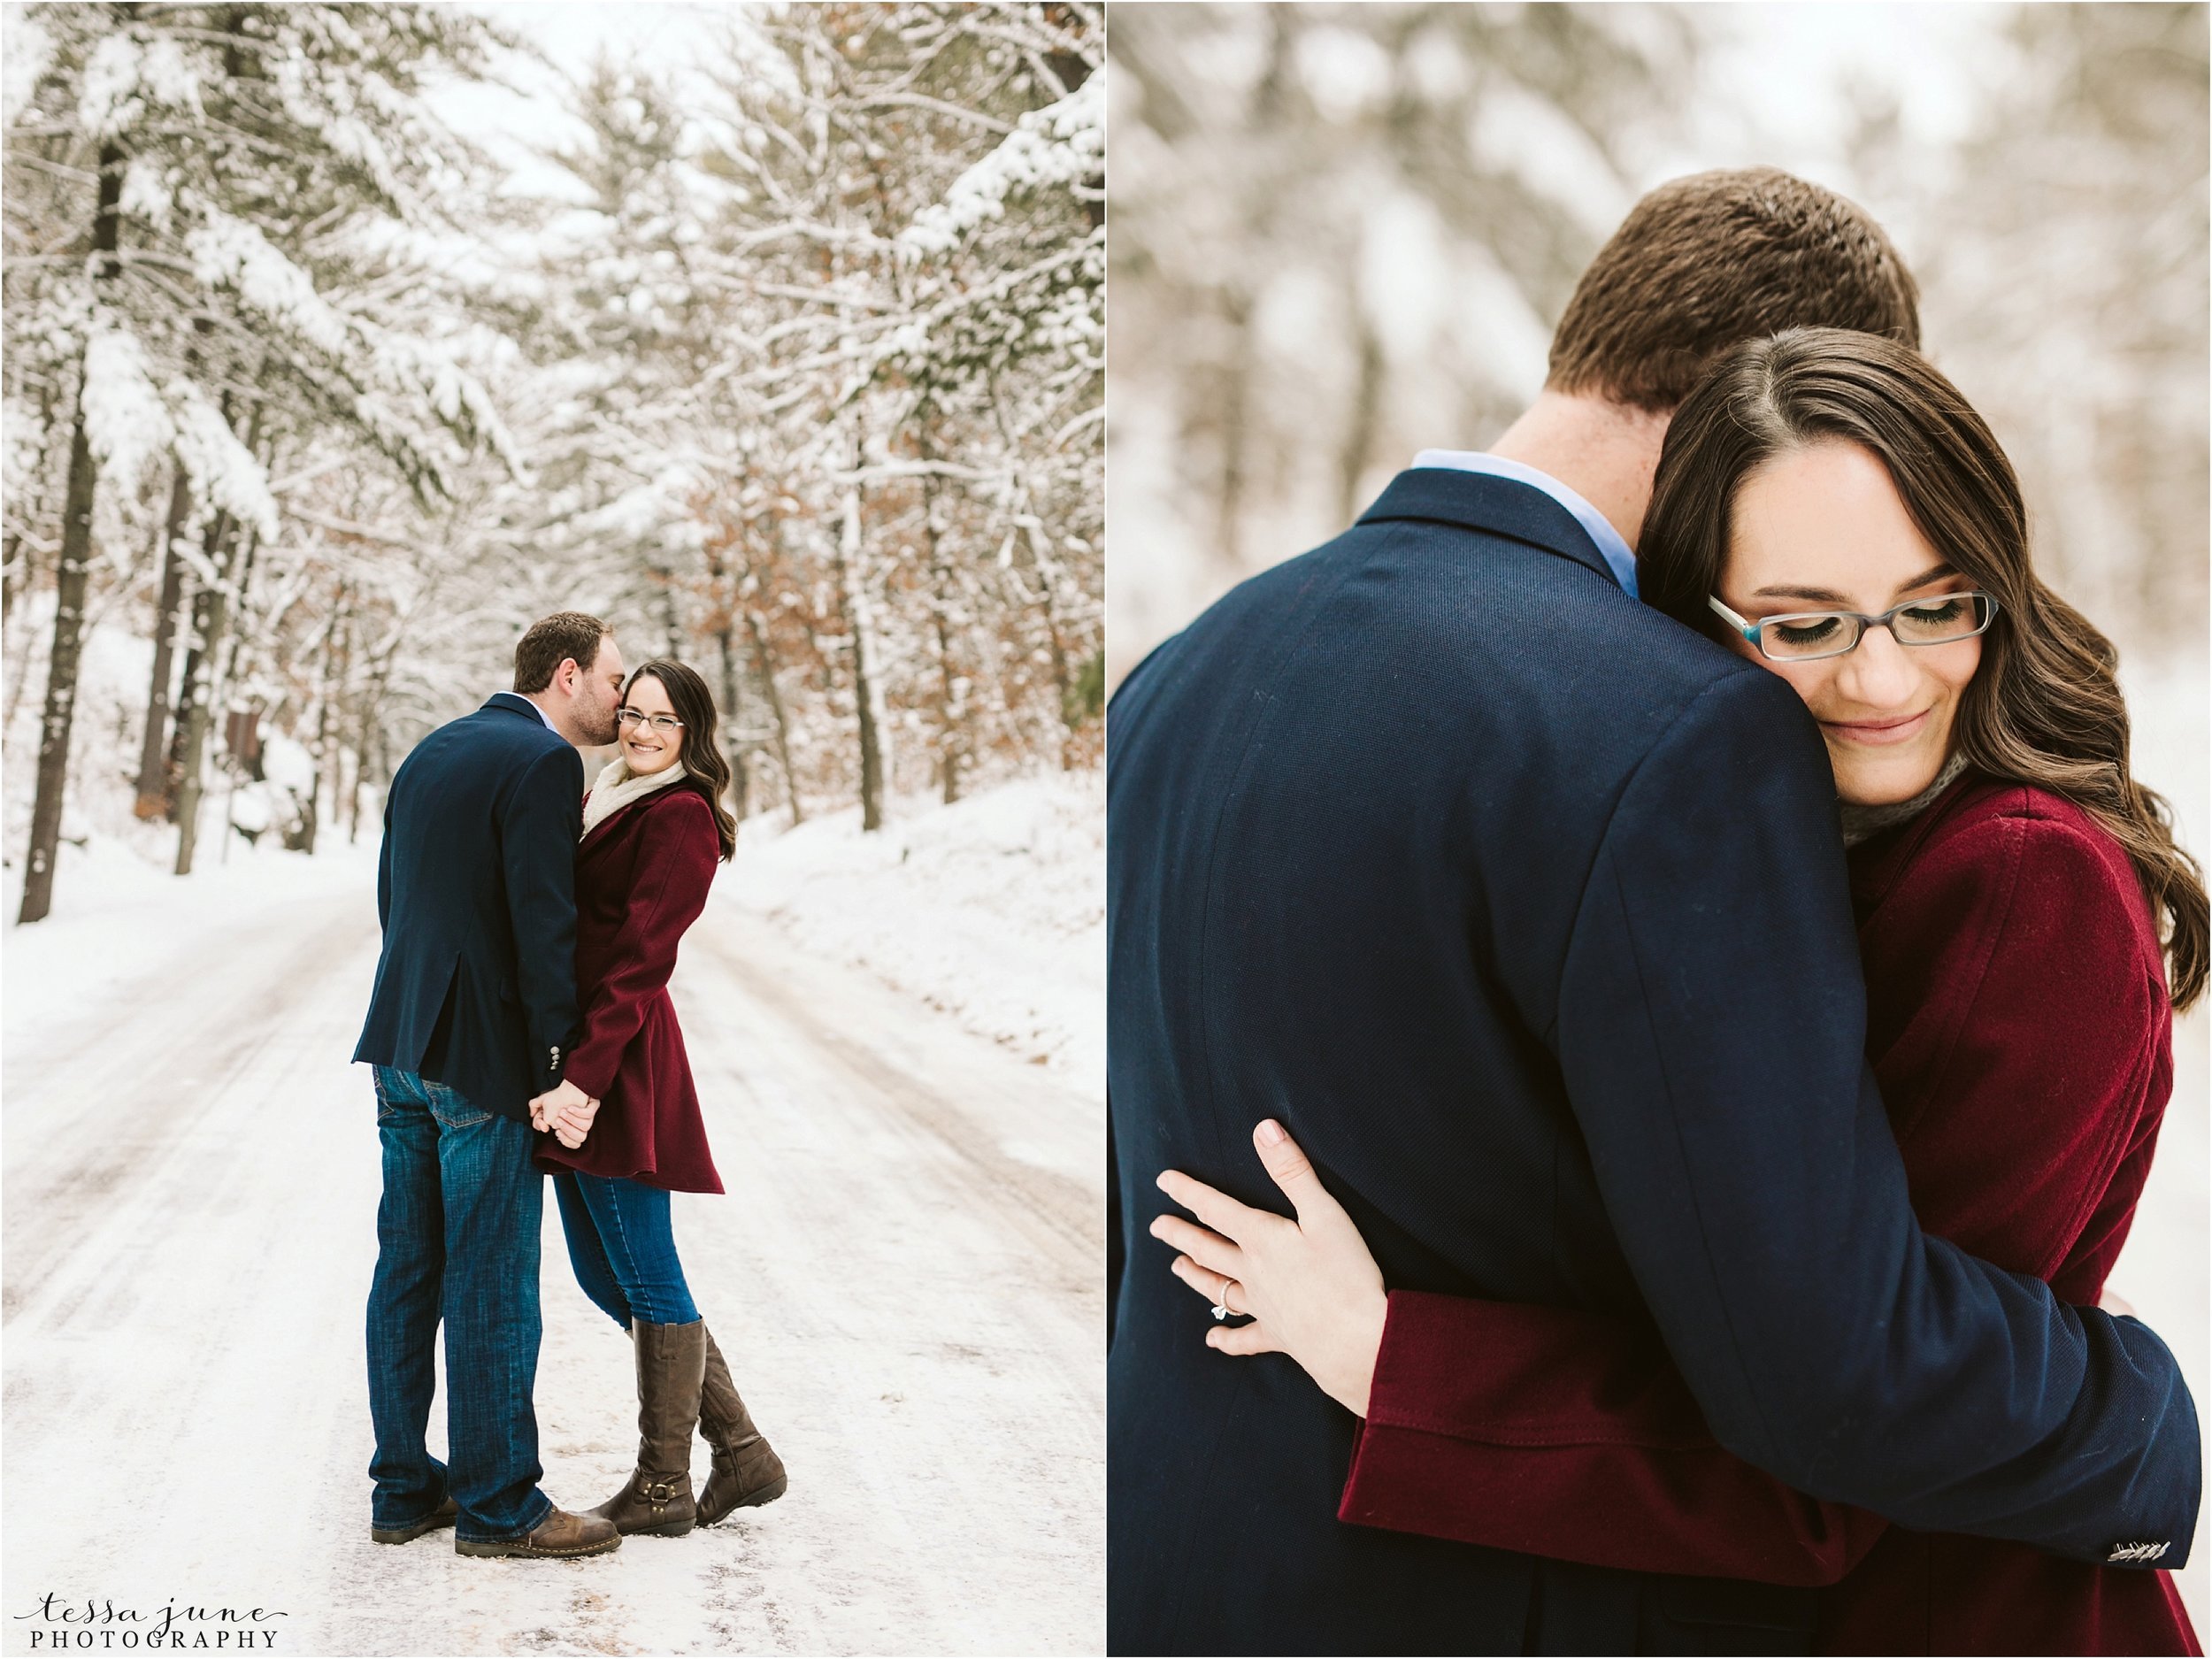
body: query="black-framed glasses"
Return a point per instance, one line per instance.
(1804, 637)
(661, 723)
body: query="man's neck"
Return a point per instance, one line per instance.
(1605, 452)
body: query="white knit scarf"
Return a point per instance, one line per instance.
(616, 788)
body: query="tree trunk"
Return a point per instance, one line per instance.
(360, 771)
(867, 687)
(1048, 567)
(368, 747)
(236, 637)
(725, 610)
(766, 665)
(61, 684)
(950, 748)
(201, 716)
(215, 545)
(153, 781)
(726, 644)
(671, 626)
(69, 590)
(209, 610)
(334, 654)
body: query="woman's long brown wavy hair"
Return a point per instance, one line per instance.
(2045, 707)
(708, 771)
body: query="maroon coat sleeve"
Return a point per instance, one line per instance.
(2020, 1077)
(2029, 1062)
(676, 855)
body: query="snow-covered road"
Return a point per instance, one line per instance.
(906, 1274)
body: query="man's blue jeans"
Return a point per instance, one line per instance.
(623, 1248)
(458, 1231)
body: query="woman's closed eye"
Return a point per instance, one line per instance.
(1935, 615)
(1809, 630)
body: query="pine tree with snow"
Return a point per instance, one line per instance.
(257, 173)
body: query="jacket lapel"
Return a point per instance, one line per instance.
(597, 837)
(624, 814)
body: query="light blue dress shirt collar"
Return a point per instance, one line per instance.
(1619, 558)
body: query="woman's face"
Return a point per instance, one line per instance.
(646, 748)
(1821, 528)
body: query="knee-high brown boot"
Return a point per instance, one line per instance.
(747, 1471)
(670, 1365)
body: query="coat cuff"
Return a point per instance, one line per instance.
(592, 1071)
(1558, 1433)
(1511, 1373)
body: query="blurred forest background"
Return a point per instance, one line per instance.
(1343, 232)
(784, 355)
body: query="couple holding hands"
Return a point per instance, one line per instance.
(521, 1026)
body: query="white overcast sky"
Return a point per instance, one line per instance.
(661, 35)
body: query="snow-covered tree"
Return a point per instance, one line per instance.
(842, 412)
(252, 173)
(798, 375)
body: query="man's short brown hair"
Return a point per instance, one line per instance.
(1705, 263)
(549, 643)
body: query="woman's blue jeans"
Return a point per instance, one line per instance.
(623, 1248)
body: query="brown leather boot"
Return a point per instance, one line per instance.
(556, 1537)
(671, 1360)
(747, 1471)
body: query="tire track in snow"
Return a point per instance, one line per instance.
(900, 1272)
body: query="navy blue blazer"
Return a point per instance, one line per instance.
(476, 889)
(1524, 908)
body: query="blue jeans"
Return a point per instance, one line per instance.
(459, 1235)
(623, 1248)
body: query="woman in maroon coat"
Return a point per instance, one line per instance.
(655, 828)
(1848, 520)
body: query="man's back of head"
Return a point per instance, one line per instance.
(1707, 262)
(1701, 264)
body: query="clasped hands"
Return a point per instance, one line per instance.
(566, 1111)
(1310, 1284)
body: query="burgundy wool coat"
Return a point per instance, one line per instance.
(641, 880)
(2019, 1024)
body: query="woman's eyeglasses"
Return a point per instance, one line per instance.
(1803, 636)
(627, 719)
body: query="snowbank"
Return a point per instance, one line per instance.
(993, 909)
(117, 917)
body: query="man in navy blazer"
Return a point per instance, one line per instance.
(1523, 908)
(474, 1010)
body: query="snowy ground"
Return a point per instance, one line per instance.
(994, 909)
(906, 1272)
